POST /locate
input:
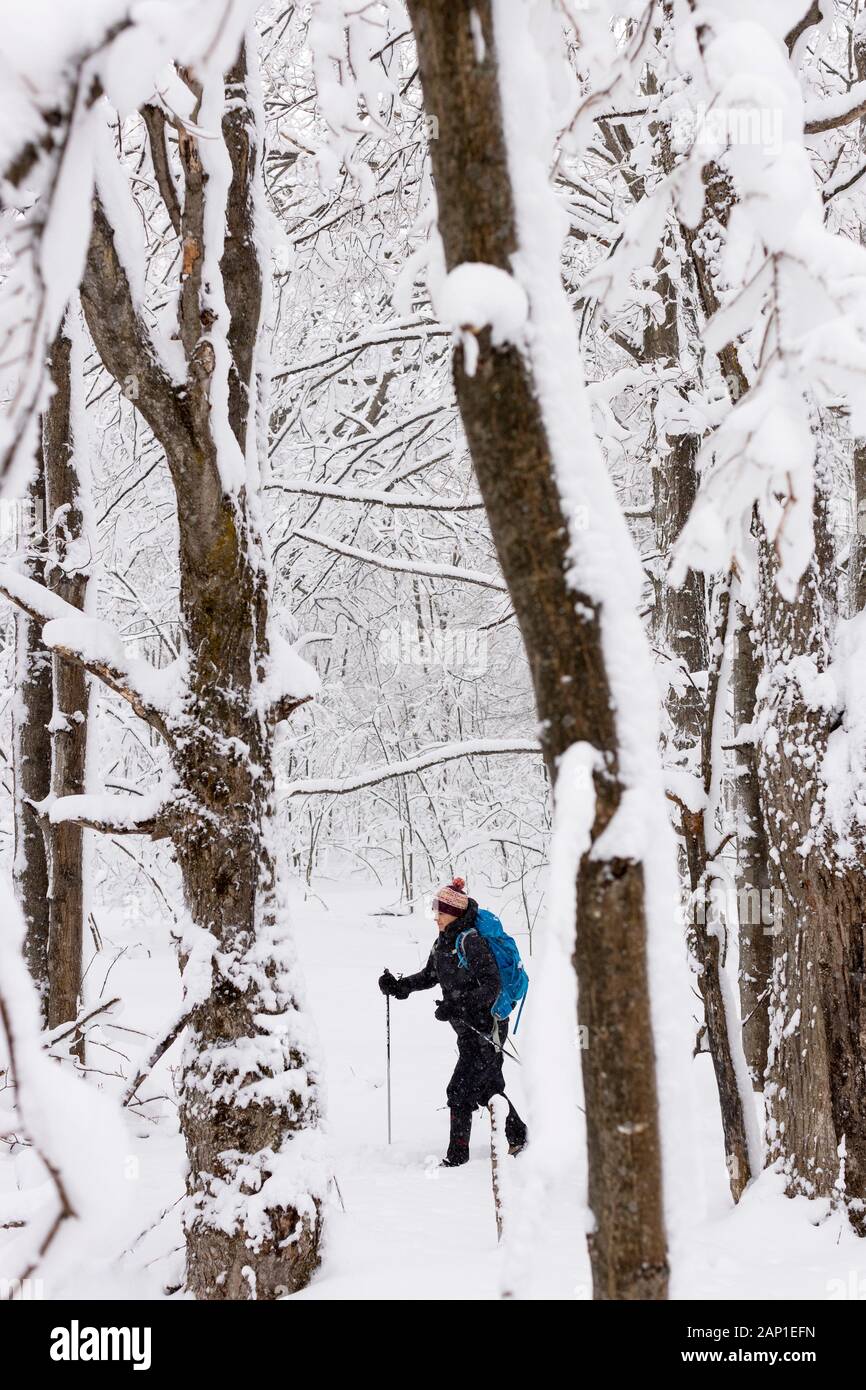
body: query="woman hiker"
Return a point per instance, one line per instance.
(468, 994)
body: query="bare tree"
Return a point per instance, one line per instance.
(249, 1093)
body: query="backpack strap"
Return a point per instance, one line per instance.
(458, 946)
(519, 1013)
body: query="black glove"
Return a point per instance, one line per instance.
(443, 1011)
(389, 984)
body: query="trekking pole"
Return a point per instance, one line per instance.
(498, 1046)
(388, 1057)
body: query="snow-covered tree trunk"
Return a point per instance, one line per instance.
(751, 841)
(67, 575)
(708, 934)
(857, 557)
(52, 708)
(755, 913)
(249, 1092)
(680, 614)
(31, 754)
(754, 932)
(514, 437)
(816, 1091)
(816, 1088)
(680, 625)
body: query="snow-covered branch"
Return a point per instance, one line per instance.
(94, 645)
(289, 681)
(842, 183)
(124, 340)
(50, 108)
(285, 707)
(171, 1034)
(407, 332)
(370, 497)
(447, 752)
(155, 123)
(68, 1030)
(430, 570)
(828, 113)
(721, 173)
(114, 814)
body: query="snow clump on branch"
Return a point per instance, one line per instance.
(475, 296)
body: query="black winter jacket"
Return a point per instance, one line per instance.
(469, 991)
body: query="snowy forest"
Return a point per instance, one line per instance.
(433, 458)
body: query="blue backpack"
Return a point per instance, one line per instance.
(513, 979)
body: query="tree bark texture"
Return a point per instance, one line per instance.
(68, 578)
(857, 557)
(755, 899)
(31, 756)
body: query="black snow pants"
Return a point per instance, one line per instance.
(476, 1079)
(478, 1074)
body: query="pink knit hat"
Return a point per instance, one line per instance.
(451, 899)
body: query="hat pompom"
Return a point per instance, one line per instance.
(459, 884)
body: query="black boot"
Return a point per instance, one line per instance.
(458, 1147)
(515, 1130)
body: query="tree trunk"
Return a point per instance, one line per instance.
(681, 614)
(244, 1036)
(857, 557)
(707, 934)
(754, 898)
(680, 630)
(31, 741)
(817, 1086)
(512, 456)
(68, 578)
(691, 706)
(249, 1092)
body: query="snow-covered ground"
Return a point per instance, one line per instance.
(409, 1229)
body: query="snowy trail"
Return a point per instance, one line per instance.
(411, 1230)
